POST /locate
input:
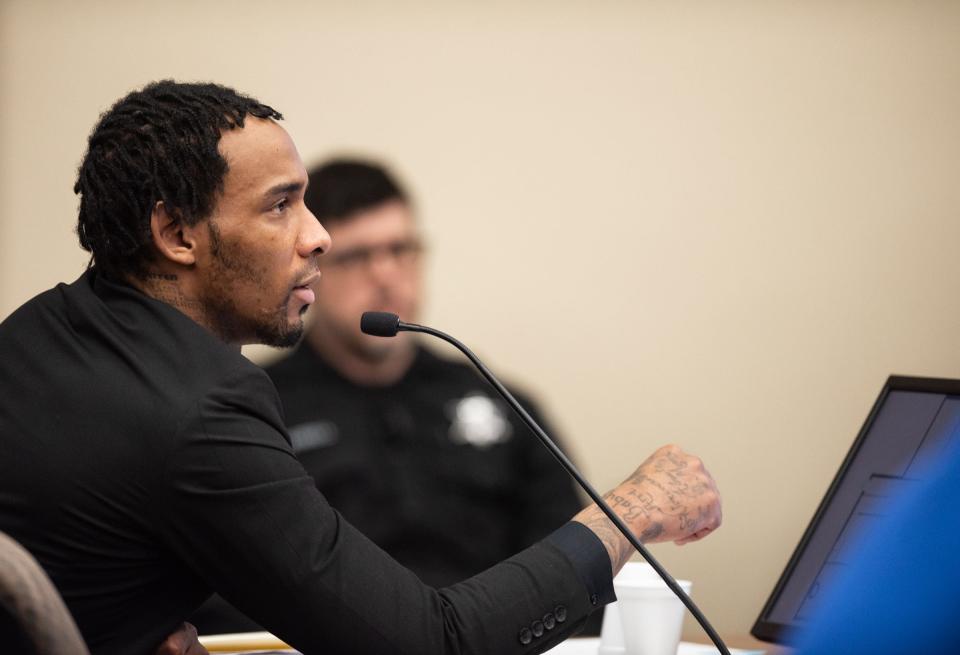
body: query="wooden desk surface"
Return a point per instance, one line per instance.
(747, 642)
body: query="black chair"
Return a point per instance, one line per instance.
(33, 603)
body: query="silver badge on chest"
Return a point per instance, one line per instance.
(313, 435)
(478, 421)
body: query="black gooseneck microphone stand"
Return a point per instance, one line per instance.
(384, 324)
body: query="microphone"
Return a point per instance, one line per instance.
(385, 324)
(380, 324)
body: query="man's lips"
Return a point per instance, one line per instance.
(310, 279)
(304, 295)
(303, 292)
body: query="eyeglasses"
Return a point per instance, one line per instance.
(402, 252)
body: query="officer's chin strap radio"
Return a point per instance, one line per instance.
(384, 324)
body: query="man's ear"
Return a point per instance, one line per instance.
(173, 240)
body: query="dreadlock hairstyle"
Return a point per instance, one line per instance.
(339, 188)
(159, 143)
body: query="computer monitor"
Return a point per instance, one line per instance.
(913, 421)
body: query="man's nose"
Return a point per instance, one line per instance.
(314, 239)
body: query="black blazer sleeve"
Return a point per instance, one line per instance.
(237, 506)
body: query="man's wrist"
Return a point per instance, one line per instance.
(589, 557)
(618, 548)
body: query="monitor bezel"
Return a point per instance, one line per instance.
(775, 632)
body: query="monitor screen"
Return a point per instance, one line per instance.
(913, 421)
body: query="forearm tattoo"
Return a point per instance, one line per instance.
(618, 548)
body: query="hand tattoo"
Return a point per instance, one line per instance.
(669, 497)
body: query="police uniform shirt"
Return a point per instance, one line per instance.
(434, 469)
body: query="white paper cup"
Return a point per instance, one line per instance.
(634, 571)
(650, 615)
(611, 634)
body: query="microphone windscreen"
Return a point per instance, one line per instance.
(380, 324)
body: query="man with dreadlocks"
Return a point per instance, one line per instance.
(145, 461)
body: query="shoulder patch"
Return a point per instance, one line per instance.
(477, 420)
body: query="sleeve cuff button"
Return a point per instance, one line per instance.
(549, 621)
(525, 636)
(561, 613)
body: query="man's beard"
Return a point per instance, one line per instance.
(271, 328)
(281, 334)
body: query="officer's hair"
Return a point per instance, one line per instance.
(159, 143)
(340, 188)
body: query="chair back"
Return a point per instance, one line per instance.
(31, 599)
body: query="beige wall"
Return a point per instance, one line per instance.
(718, 223)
